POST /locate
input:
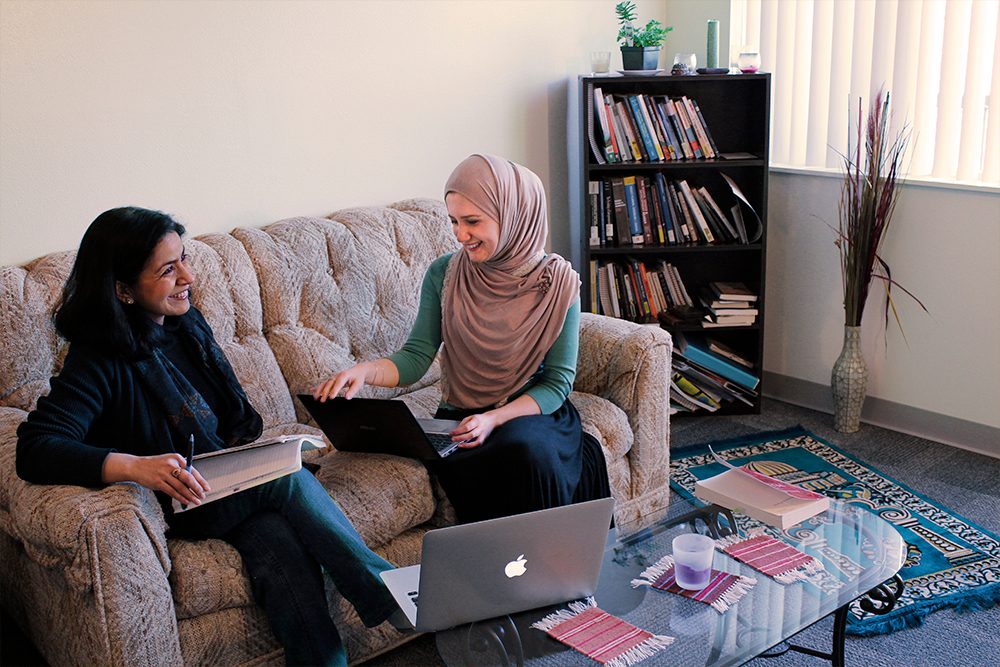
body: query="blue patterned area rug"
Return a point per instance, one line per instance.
(951, 562)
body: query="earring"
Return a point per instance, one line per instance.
(129, 301)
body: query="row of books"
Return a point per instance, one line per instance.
(652, 211)
(650, 128)
(708, 374)
(655, 292)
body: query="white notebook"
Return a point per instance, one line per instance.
(232, 470)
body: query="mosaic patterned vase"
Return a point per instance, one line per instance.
(849, 382)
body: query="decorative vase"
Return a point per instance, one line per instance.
(849, 382)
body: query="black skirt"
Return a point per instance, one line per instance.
(530, 463)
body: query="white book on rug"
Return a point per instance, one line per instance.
(760, 497)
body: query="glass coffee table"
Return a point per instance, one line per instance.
(861, 553)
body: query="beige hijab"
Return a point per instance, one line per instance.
(501, 316)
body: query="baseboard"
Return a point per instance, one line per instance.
(961, 433)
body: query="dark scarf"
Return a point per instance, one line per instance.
(186, 410)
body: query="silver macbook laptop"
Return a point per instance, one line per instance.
(475, 571)
(381, 426)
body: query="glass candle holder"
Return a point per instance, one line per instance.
(685, 63)
(748, 61)
(600, 62)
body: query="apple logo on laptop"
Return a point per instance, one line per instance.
(516, 567)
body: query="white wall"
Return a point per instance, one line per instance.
(943, 245)
(241, 113)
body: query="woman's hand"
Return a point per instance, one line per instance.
(474, 429)
(164, 472)
(349, 381)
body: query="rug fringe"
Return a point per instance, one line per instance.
(740, 587)
(640, 652)
(649, 576)
(555, 618)
(914, 615)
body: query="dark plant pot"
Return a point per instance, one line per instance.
(640, 57)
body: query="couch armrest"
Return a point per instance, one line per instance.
(105, 551)
(629, 365)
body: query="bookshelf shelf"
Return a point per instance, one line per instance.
(736, 111)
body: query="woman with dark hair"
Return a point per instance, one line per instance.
(142, 376)
(505, 316)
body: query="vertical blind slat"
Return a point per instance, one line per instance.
(970, 143)
(991, 165)
(949, 102)
(840, 80)
(799, 121)
(925, 110)
(905, 70)
(820, 73)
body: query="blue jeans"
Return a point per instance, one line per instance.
(285, 531)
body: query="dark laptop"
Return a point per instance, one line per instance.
(381, 426)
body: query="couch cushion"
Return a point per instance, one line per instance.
(341, 290)
(608, 423)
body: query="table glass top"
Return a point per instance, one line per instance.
(858, 550)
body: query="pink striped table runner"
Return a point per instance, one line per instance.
(778, 560)
(601, 636)
(722, 592)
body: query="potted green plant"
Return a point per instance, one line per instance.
(640, 46)
(869, 191)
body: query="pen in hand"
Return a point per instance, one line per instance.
(190, 460)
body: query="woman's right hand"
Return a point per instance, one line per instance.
(349, 381)
(163, 472)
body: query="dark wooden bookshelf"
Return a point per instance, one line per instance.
(736, 109)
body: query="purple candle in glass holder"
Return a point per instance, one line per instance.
(693, 554)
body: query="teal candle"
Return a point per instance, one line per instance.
(712, 57)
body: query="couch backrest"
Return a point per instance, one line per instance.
(225, 291)
(344, 289)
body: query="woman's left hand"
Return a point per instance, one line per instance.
(474, 429)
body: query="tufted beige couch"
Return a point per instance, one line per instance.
(90, 574)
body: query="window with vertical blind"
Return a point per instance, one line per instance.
(939, 60)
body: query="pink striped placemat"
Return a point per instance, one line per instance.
(601, 636)
(778, 560)
(722, 592)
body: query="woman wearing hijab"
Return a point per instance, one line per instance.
(143, 379)
(508, 316)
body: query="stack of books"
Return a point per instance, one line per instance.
(728, 304)
(707, 374)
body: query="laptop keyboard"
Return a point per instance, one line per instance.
(440, 441)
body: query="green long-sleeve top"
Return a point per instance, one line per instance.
(549, 387)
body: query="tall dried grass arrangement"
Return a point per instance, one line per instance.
(870, 189)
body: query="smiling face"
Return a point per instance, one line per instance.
(163, 286)
(478, 233)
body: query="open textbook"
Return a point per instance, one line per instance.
(232, 470)
(761, 497)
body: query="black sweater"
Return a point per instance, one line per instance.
(101, 403)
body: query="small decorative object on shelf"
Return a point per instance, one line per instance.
(712, 45)
(685, 63)
(868, 198)
(748, 62)
(672, 177)
(640, 46)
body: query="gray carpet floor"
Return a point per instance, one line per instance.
(962, 481)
